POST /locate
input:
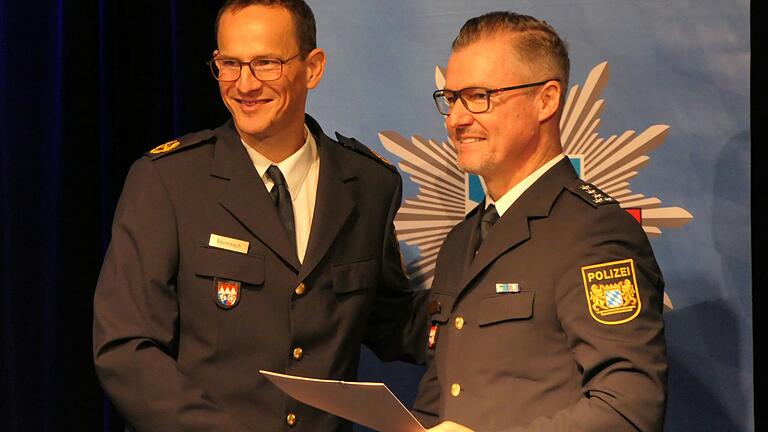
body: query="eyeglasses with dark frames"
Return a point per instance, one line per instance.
(264, 69)
(476, 100)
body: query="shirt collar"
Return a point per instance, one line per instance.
(295, 167)
(505, 202)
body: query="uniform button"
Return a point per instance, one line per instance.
(455, 390)
(290, 419)
(298, 353)
(459, 323)
(300, 289)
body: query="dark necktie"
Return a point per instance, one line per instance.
(282, 200)
(490, 216)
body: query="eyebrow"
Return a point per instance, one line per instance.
(264, 56)
(466, 87)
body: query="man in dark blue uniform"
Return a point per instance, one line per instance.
(262, 244)
(546, 307)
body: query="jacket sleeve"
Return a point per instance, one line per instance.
(135, 328)
(623, 363)
(397, 327)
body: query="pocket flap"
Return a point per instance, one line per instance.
(505, 307)
(440, 307)
(229, 265)
(354, 276)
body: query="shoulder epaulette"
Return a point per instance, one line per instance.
(361, 148)
(590, 193)
(184, 142)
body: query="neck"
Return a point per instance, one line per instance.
(500, 183)
(280, 146)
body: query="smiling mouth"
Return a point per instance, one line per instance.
(469, 140)
(248, 103)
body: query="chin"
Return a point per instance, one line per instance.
(469, 164)
(469, 168)
(250, 128)
(478, 167)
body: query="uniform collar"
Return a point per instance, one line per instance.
(295, 167)
(505, 202)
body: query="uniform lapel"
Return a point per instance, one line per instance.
(513, 228)
(334, 203)
(458, 254)
(470, 234)
(245, 195)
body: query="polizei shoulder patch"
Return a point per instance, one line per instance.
(612, 293)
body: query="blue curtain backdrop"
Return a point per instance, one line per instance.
(87, 87)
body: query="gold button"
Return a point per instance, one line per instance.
(298, 353)
(290, 419)
(459, 323)
(455, 389)
(300, 289)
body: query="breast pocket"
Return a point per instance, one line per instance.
(506, 307)
(354, 276)
(224, 264)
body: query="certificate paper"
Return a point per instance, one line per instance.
(366, 403)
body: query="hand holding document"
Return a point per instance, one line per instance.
(366, 403)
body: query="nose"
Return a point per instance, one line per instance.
(458, 117)
(247, 82)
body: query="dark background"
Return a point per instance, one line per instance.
(87, 87)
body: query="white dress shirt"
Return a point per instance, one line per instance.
(301, 171)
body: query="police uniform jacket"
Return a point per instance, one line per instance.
(556, 323)
(171, 359)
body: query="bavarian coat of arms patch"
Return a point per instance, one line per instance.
(611, 290)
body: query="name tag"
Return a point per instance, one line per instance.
(228, 243)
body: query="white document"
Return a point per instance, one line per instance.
(366, 403)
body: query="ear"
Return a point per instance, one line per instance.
(549, 100)
(315, 67)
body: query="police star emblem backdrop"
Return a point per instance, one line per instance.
(657, 116)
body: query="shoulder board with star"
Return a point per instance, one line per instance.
(590, 193)
(173, 146)
(361, 148)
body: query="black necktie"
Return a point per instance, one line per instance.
(490, 216)
(282, 199)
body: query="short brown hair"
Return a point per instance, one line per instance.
(303, 19)
(538, 43)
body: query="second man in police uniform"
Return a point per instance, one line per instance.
(546, 306)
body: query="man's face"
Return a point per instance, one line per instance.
(262, 109)
(503, 138)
